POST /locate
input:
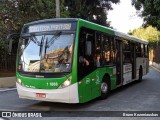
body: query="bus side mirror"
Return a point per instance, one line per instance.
(11, 38)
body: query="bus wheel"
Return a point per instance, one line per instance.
(140, 74)
(105, 88)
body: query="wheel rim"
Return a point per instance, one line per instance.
(104, 87)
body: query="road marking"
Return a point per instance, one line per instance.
(40, 107)
(155, 68)
(8, 109)
(5, 90)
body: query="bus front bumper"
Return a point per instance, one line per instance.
(65, 95)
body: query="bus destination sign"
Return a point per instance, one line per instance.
(49, 27)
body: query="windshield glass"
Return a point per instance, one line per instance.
(46, 53)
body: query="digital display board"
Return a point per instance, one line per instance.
(49, 27)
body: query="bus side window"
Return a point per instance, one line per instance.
(138, 50)
(126, 52)
(81, 51)
(88, 48)
(142, 50)
(107, 53)
(146, 51)
(98, 56)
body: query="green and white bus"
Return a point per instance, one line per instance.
(72, 60)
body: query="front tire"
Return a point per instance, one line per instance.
(105, 88)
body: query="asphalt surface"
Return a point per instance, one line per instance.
(143, 96)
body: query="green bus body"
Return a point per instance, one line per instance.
(88, 87)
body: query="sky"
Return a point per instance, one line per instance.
(123, 17)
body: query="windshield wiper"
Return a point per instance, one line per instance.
(46, 45)
(41, 45)
(52, 40)
(35, 40)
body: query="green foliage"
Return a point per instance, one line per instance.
(151, 34)
(15, 13)
(92, 10)
(150, 11)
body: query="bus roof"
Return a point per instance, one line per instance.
(130, 37)
(116, 33)
(53, 20)
(119, 34)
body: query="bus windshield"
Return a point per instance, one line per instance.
(46, 53)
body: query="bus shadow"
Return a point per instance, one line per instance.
(53, 106)
(127, 86)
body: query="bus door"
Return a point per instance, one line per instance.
(86, 61)
(119, 65)
(133, 60)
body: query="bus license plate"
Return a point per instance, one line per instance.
(40, 95)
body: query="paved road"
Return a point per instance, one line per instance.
(143, 96)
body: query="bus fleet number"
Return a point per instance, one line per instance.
(52, 84)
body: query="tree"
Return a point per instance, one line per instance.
(150, 11)
(95, 10)
(151, 34)
(15, 13)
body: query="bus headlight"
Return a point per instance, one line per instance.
(66, 83)
(19, 81)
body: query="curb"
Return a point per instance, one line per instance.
(155, 68)
(7, 82)
(8, 89)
